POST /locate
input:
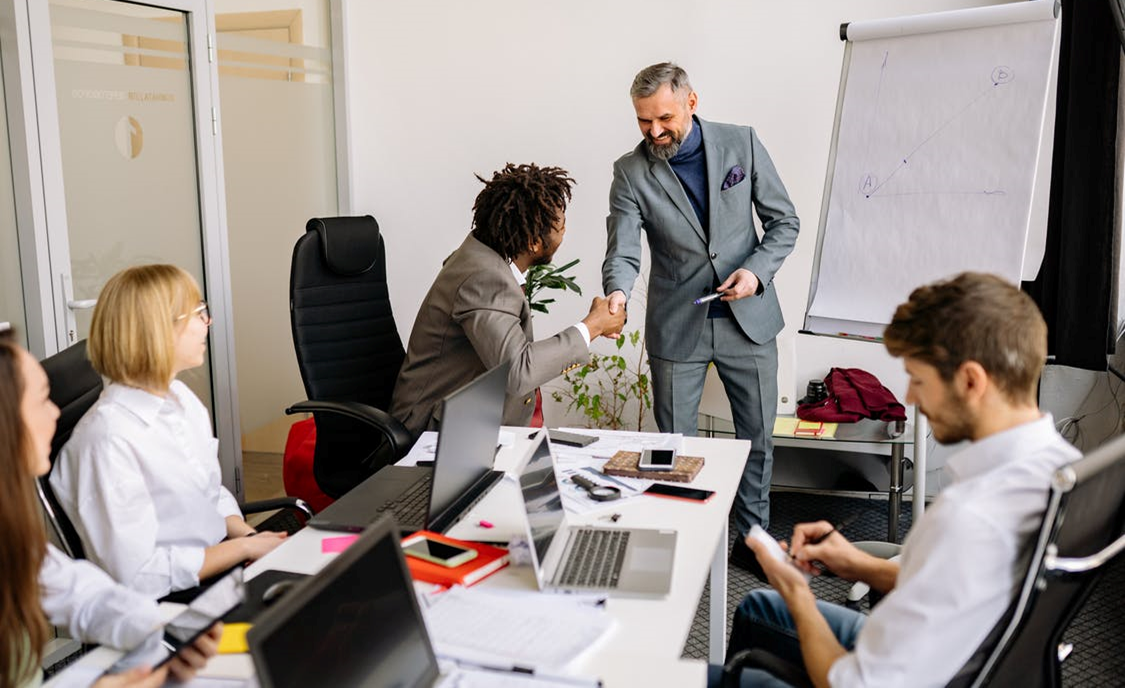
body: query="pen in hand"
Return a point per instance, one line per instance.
(710, 297)
(834, 529)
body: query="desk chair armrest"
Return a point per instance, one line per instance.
(278, 503)
(396, 433)
(784, 670)
(1053, 562)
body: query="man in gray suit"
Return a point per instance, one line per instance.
(476, 316)
(691, 185)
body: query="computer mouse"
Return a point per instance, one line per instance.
(275, 591)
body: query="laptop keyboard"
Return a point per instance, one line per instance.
(412, 505)
(595, 559)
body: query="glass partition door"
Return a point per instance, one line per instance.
(134, 177)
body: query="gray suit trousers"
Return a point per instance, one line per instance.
(749, 375)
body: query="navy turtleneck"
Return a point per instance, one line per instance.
(690, 166)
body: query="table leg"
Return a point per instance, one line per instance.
(920, 448)
(717, 641)
(894, 500)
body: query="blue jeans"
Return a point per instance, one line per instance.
(763, 622)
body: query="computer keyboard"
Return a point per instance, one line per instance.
(595, 559)
(412, 505)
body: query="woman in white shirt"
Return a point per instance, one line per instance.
(140, 475)
(37, 582)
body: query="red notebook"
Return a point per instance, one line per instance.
(489, 560)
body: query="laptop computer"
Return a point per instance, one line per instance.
(356, 623)
(434, 499)
(628, 562)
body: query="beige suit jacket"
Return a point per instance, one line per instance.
(475, 317)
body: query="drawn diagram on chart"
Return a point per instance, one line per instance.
(936, 153)
(871, 184)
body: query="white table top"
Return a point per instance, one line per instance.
(654, 629)
(644, 646)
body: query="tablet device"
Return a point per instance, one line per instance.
(162, 645)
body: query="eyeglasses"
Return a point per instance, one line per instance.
(201, 311)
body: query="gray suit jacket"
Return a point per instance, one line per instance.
(474, 317)
(646, 194)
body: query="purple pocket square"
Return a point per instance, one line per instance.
(735, 176)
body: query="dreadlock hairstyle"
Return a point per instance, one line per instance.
(519, 206)
(23, 541)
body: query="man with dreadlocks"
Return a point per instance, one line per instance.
(476, 316)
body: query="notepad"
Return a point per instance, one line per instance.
(529, 629)
(795, 427)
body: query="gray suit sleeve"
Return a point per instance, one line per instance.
(488, 311)
(623, 243)
(776, 213)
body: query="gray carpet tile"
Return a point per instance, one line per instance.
(1098, 631)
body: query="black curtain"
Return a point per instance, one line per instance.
(1077, 283)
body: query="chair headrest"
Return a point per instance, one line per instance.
(351, 245)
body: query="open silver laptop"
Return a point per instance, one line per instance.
(627, 562)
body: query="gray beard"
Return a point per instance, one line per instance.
(664, 152)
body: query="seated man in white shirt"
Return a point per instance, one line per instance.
(973, 348)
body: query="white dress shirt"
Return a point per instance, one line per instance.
(140, 480)
(959, 562)
(521, 279)
(80, 597)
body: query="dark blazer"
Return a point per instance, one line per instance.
(474, 317)
(646, 194)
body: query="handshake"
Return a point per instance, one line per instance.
(606, 317)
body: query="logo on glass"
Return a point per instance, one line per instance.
(128, 137)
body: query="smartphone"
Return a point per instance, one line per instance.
(440, 553)
(676, 492)
(162, 645)
(657, 460)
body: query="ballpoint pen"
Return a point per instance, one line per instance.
(709, 297)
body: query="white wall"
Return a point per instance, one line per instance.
(440, 90)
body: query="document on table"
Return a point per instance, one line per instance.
(466, 677)
(425, 449)
(532, 630)
(577, 500)
(612, 441)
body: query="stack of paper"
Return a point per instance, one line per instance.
(527, 629)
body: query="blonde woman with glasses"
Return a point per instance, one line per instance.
(140, 475)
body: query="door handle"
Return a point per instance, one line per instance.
(81, 304)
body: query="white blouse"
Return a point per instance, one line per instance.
(140, 480)
(82, 598)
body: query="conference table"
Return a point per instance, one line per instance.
(648, 635)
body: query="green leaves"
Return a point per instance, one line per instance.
(540, 277)
(610, 386)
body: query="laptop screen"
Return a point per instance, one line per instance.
(541, 498)
(470, 425)
(356, 623)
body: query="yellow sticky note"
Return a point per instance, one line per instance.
(784, 426)
(233, 641)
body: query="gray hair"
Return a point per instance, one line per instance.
(651, 78)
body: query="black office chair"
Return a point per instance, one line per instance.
(1082, 532)
(75, 386)
(348, 349)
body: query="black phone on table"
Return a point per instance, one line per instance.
(693, 494)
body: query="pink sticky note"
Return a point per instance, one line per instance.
(334, 545)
